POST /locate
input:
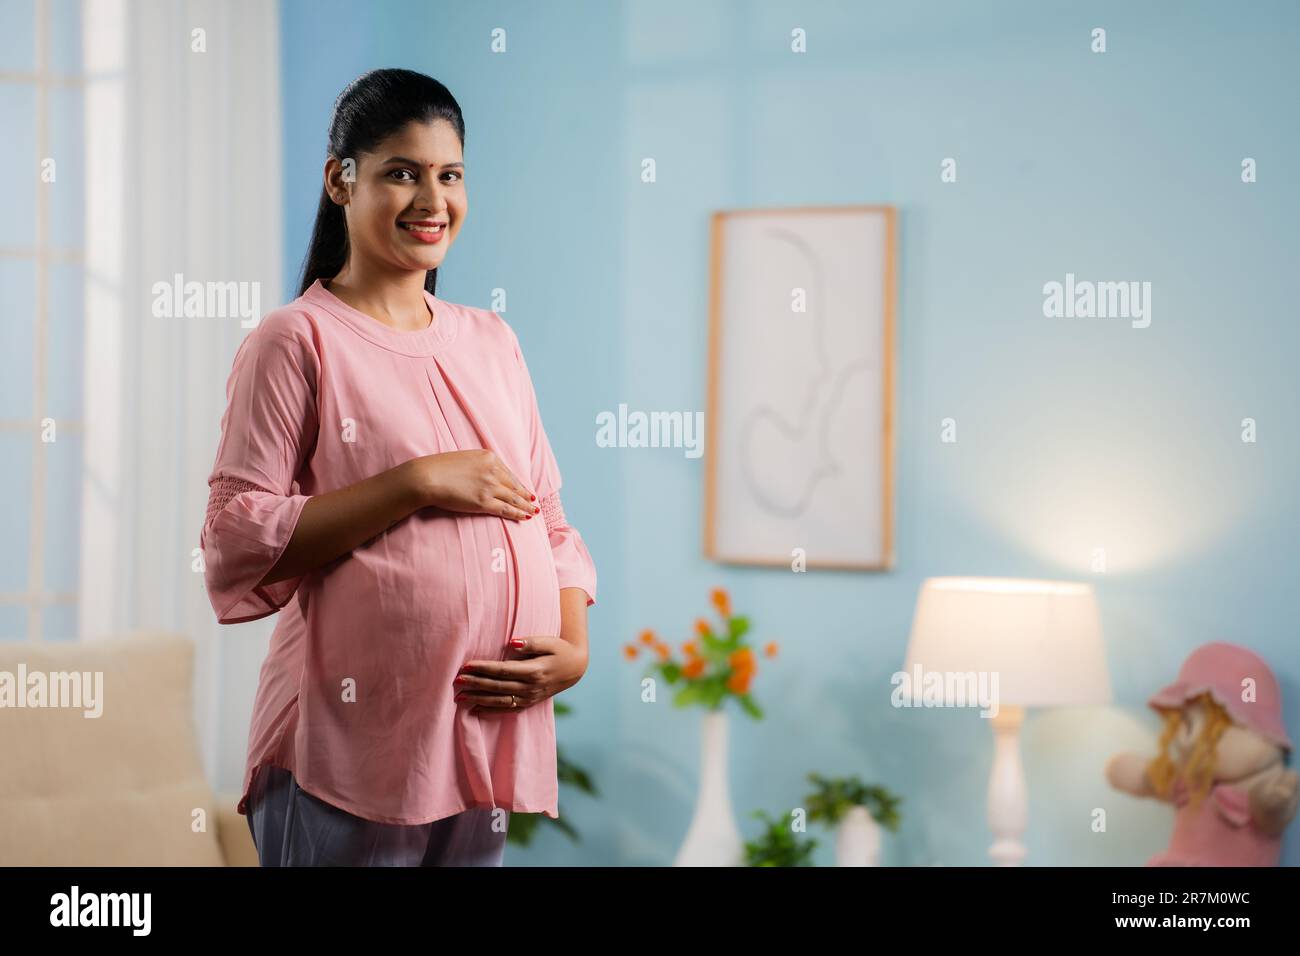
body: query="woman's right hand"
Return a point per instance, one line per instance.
(474, 481)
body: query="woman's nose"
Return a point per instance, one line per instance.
(429, 198)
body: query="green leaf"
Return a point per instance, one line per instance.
(778, 845)
(833, 798)
(570, 773)
(715, 693)
(713, 646)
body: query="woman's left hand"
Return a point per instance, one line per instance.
(553, 665)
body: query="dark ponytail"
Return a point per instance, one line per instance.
(374, 105)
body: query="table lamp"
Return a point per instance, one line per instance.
(1038, 643)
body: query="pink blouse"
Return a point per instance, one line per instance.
(356, 693)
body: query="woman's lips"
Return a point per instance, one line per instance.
(423, 233)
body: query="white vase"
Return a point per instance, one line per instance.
(857, 842)
(713, 839)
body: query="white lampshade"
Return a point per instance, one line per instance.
(1042, 638)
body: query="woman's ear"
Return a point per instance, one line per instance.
(338, 180)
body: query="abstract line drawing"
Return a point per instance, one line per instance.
(825, 388)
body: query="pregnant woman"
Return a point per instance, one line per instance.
(383, 477)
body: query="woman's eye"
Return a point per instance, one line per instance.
(457, 175)
(398, 172)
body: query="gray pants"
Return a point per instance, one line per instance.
(294, 828)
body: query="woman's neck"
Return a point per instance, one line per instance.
(396, 299)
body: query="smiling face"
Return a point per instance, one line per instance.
(408, 201)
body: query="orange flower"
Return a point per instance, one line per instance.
(742, 660)
(693, 668)
(702, 627)
(690, 650)
(770, 649)
(738, 683)
(647, 636)
(630, 651)
(722, 601)
(664, 651)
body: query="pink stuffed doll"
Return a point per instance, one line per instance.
(1221, 762)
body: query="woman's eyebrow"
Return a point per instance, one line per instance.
(412, 162)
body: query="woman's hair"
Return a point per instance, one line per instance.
(374, 105)
(1198, 770)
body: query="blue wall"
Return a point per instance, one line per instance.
(1072, 433)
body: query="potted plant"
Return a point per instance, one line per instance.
(857, 810)
(778, 845)
(715, 666)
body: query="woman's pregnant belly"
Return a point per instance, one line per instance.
(388, 627)
(391, 624)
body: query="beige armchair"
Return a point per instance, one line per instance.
(124, 788)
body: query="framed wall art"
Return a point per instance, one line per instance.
(800, 435)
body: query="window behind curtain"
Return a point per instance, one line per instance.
(41, 327)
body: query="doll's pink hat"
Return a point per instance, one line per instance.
(1221, 669)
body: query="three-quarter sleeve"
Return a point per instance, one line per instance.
(573, 564)
(268, 428)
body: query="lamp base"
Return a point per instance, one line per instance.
(1008, 798)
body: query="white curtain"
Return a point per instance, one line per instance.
(183, 158)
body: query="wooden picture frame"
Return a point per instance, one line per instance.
(784, 470)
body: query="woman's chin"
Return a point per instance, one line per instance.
(423, 263)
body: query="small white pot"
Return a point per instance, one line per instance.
(857, 842)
